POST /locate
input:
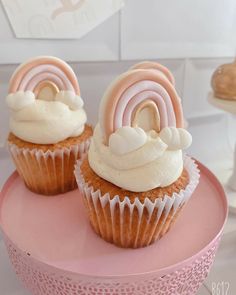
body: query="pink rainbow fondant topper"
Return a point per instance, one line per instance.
(44, 70)
(150, 65)
(137, 89)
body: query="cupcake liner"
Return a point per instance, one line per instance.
(135, 224)
(50, 172)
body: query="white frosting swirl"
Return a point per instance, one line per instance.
(139, 166)
(46, 122)
(176, 138)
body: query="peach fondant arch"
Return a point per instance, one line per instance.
(39, 69)
(126, 81)
(155, 66)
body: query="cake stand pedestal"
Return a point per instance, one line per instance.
(228, 174)
(54, 251)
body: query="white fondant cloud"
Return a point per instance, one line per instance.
(20, 99)
(69, 98)
(127, 139)
(176, 138)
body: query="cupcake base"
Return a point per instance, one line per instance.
(132, 220)
(48, 169)
(129, 231)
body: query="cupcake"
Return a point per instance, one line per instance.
(135, 180)
(224, 82)
(48, 130)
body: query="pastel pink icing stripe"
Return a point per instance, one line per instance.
(140, 97)
(44, 77)
(155, 66)
(117, 89)
(128, 97)
(22, 70)
(41, 70)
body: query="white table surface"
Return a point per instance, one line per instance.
(222, 273)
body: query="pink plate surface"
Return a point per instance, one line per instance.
(55, 231)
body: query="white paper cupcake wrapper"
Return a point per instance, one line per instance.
(47, 179)
(166, 206)
(75, 149)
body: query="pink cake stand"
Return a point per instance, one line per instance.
(54, 251)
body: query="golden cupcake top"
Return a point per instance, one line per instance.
(224, 81)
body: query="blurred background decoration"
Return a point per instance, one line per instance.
(58, 19)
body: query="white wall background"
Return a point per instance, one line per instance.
(190, 37)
